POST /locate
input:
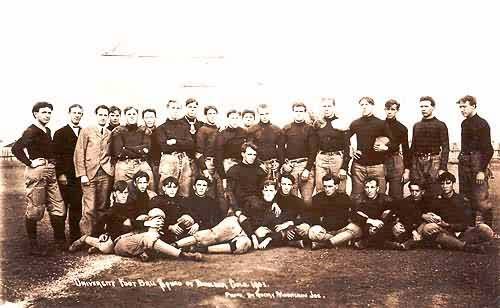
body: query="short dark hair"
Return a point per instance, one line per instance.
(391, 102)
(39, 105)
(170, 180)
(428, 99)
(249, 144)
(371, 178)
(207, 108)
(368, 99)
(231, 111)
(114, 109)
(287, 175)
(75, 106)
(202, 178)
(141, 174)
(420, 184)
(299, 104)
(245, 111)
(171, 101)
(103, 107)
(191, 100)
(262, 106)
(447, 176)
(329, 177)
(468, 99)
(148, 110)
(270, 183)
(120, 186)
(128, 108)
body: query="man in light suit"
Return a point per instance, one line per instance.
(93, 166)
(64, 146)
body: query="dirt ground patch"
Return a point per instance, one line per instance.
(273, 278)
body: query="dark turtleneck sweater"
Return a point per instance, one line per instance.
(269, 139)
(129, 141)
(204, 210)
(399, 137)
(333, 139)
(243, 181)
(367, 129)
(331, 212)
(431, 136)
(228, 145)
(300, 142)
(37, 142)
(172, 129)
(476, 137)
(205, 140)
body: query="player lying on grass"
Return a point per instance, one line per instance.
(144, 244)
(449, 220)
(118, 219)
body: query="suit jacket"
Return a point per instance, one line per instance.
(64, 148)
(92, 151)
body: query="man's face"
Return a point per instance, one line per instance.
(371, 189)
(466, 109)
(249, 156)
(447, 187)
(330, 187)
(102, 116)
(114, 118)
(233, 120)
(43, 115)
(211, 116)
(265, 115)
(121, 196)
(366, 108)
(200, 188)
(141, 184)
(391, 112)
(268, 192)
(75, 115)
(426, 109)
(286, 186)
(248, 119)
(299, 114)
(327, 107)
(149, 119)
(192, 110)
(131, 116)
(174, 110)
(170, 189)
(416, 192)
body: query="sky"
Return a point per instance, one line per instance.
(245, 53)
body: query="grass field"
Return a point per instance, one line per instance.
(273, 278)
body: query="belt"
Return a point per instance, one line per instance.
(128, 158)
(333, 153)
(426, 154)
(174, 153)
(296, 160)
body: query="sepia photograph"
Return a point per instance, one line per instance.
(249, 154)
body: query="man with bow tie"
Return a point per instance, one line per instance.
(64, 146)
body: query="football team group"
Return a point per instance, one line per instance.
(190, 186)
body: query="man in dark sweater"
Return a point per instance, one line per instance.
(228, 145)
(475, 155)
(205, 153)
(449, 220)
(64, 146)
(397, 163)
(131, 148)
(244, 180)
(300, 152)
(172, 143)
(370, 155)
(429, 148)
(114, 117)
(329, 213)
(42, 189)
(371, 219)
(149, 118)
(333, 145)
(269, 139)
(216, 234)
(118, 220)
